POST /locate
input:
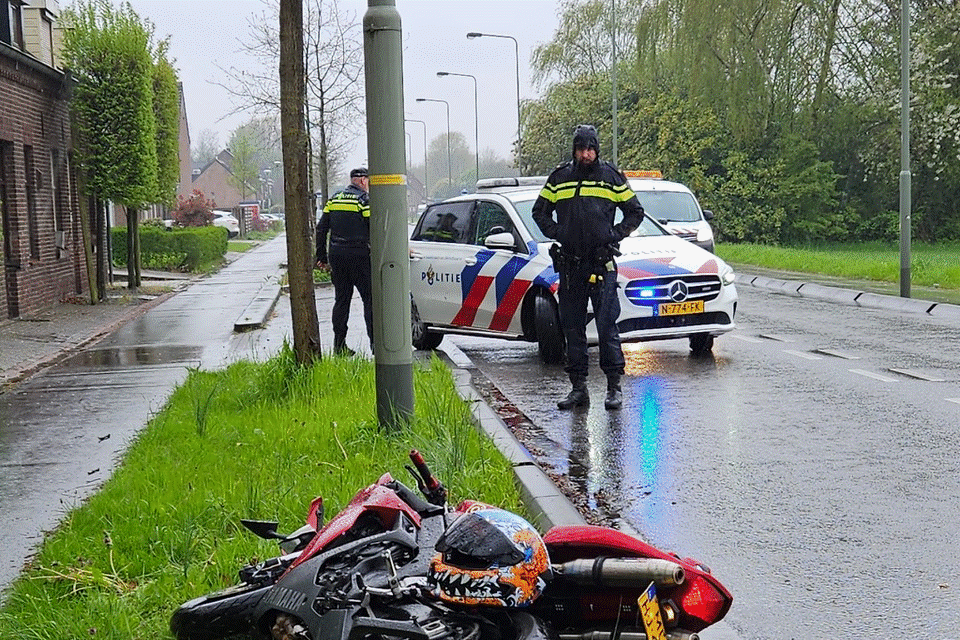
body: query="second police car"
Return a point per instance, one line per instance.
(479, 265)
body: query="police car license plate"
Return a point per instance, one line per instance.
(650, 613)
(680, 308)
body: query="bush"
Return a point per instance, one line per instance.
(195, 247)
(195, 211)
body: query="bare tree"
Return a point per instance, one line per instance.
(333, 53)
(303, 304)
(206, 147)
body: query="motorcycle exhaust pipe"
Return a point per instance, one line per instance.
(626, 635)
(622, 572)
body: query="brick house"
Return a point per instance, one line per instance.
(216, 182)
(42, 250)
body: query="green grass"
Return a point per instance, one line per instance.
(253, 441)
(935, 266)
(239, 246)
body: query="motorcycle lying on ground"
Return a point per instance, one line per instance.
(394, 565)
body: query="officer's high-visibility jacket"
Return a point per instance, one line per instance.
(346, 217)
(585, 200)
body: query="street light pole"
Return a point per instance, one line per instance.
(447, 105)
(476, 114)
(516, 48)
(424, 157)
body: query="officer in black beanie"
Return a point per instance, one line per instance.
(576, 207)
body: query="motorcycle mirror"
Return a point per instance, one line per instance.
(263, 529)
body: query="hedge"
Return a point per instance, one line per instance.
(184, 249)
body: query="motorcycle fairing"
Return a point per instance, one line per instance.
(376, 498)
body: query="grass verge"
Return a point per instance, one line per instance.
(931, 265)
(256, 440)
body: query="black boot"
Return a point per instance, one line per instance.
(578, 396)
(614, 399)
(340, 346)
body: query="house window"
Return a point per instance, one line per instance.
(33, 230)
(11, 23)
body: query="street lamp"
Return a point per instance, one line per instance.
(447, 105)
(516, 47)
(424, 157)
(476, 114)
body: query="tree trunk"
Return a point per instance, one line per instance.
(300, 255)
(84, 206)
(830, 40)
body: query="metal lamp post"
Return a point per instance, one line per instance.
(516, 47)
(424, 157)
(476, 114)
(447, 105)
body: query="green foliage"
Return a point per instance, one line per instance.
(194, 210)
(165, 527)
(784, 120)
(108, 51)
(195, 247)
(166, 105)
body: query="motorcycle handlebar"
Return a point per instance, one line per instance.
(431, 488)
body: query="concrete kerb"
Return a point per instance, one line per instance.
(256, 314)
(548, 506)
(864, 299)
(833, 294)
(893, 303)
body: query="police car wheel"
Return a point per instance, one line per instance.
(701, 344)
(423, 339)
(549, 335)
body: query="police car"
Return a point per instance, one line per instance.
(479, 265)
(674, 206)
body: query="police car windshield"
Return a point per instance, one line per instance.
(669, 206)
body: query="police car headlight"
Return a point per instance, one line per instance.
(704, 233)
(727, 276)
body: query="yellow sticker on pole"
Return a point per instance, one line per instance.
(650, 613)
(388, 178)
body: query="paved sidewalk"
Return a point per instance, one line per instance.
(29, 343)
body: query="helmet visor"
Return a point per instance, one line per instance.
(472, 542)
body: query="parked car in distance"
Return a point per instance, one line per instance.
(479, 265)
(674, 206)
(228, 221)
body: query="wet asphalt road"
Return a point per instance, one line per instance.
(811, 463)
(62, 431)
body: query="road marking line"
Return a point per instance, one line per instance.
(836, 354)
(802, 354)
(875, 376)
(919, 375)
(775, 337)
(747, 339)
(954, 400)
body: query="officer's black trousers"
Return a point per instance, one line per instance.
(349, 271)
(575, 290)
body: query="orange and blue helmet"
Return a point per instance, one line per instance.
(490, 557)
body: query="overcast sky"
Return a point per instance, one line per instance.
(206, 33)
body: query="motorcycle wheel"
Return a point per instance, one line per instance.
(218, 615)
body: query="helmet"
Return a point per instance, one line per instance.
(585, 137)
(490, 557)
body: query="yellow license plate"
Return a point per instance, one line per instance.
(650, 613)
(680, 308)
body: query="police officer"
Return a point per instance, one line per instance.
(584, 193)
(346, 218)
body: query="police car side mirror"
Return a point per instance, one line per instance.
(707, 214)
(499, 241)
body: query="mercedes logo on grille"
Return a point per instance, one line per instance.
(678, 291)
